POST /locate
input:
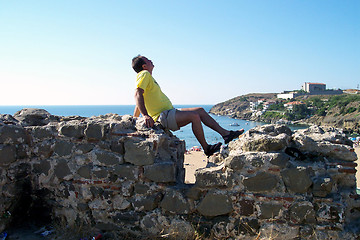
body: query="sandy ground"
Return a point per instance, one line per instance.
(195, 160)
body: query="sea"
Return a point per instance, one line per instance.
(184, 133)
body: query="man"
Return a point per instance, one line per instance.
(154, 105)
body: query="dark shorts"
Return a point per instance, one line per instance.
(167, 119)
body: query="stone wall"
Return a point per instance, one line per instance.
(113, 174)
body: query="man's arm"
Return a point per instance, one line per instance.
(140, 105)
(136, 112)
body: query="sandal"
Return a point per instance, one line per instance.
(211, 149)
(232, 135)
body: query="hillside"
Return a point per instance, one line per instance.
(341, 111)
(238, 107)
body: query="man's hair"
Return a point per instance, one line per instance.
(137, 63)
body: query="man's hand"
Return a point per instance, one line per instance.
(149, 122)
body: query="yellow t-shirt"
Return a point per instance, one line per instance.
(155, 100)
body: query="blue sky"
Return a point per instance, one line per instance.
(79, 52)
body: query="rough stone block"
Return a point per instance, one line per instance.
(139, 152)
(302, 212)
(322, 186)
(74, 130)
(141, 188)
(261, 182)
(235, 162)
(108, 158)
(62, 169)
(85, 171)
(118, 147)
(102, 173)
(120, 203)
(44, 149)
(124, 126)
(33, 117)
(246, 207)
(85, 147)
(213, 177)
(7, 154)
(280, 159)
(146, 203)
(215, 204)
(269, 210)
(266, 143)
(174, 202)
(10, 134)
(127, 171)
(42, 167)
(63, 148)
(94, 131)
(160, 172)
(296, 179)
(42, 132)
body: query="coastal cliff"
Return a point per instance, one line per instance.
(341, 111)
(111, 174)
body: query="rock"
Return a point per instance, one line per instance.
(139, 152)
(174, 202)
(42, 132)
(7, 154)
(42, 167)
(296, 179)
(336, 151)
(63, 148)
(246, 207)
(302, 212)
(141, 188)
(322, 186)
(160, 172)
(10, 134)
(127, 171)
(94, 131)
(73, 129)
(261, 182)
(85, 171)
(117, 146)
(279, 159)
(269, 210)
(125, 125)
(120, 203)
(62, 169)
(213, 177)
(215, 204)
(33, 117)
(146, 203)
(106, 158)
(265, 143)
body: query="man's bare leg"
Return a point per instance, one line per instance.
(183, 118)
(207, 120)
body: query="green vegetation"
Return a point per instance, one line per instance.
(279, 106)
(272, 115)
(298, 112)
(340, 102)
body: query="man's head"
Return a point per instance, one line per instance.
(140, 63)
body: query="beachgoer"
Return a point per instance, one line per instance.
(154, 106)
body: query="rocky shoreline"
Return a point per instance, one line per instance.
(239, 107)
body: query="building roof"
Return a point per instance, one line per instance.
(293, 103)
(316, 83)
